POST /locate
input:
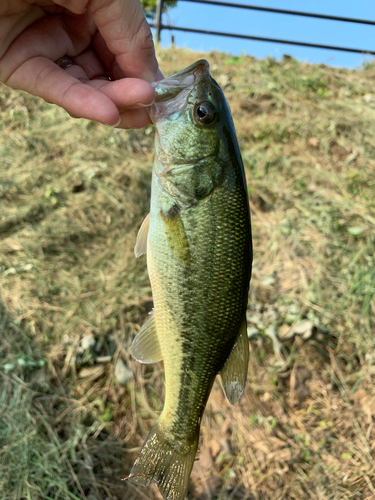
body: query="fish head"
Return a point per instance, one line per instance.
(191, 115)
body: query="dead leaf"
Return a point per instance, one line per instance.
(262, 446)
(215, 447)
(284, 455)
(285, 332)
(214, 483)
(87, 341)
(251, 107)
(299, 389)
(93, 372)
(276, 443)
(9, 245)
(226, 447)
(305, 329)
(338, 150)
(224, 80)
(366, 402)
(205, 460)
(226, 427)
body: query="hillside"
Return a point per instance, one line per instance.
(73, 194)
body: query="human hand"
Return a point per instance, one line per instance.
(109, 42)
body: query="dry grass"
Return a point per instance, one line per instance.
(72, 196)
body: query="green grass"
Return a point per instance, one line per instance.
(72, 197)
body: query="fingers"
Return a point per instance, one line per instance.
(131, 96)
(51, 37)
(75, 6)
(127, 35)
(134, 118)
(97, 100)
(65, 88)
(127, 92)
(127, 95)
(91, 64)
(123, 49)
(109, 60)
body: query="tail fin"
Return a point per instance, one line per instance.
(159, 462)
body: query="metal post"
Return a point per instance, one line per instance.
(159, 12)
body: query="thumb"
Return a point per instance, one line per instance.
(123, 26)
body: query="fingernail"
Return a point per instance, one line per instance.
(138, 105)
(141, 105)
(115, 125)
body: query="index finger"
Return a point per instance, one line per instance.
(123, 25)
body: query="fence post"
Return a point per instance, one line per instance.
(159, 12)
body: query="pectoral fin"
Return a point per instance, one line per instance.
(176, 236)
(234, 372)
(141, 244)
(146, 347)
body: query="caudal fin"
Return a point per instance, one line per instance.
(159, 462)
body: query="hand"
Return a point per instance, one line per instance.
(109, 42)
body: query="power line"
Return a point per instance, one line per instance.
(283, 11)
(264, 39)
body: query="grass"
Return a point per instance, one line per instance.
(72, 197)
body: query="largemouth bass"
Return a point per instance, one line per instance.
(198, 243)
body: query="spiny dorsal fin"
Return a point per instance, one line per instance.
(145, 347)
(141, 244)
(234, 372)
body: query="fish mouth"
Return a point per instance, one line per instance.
(174, 84)
(172, 92)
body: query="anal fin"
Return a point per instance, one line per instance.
(146, 347)
(234, 372)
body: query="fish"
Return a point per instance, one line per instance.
(197, 237)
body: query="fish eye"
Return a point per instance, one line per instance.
(203, 113)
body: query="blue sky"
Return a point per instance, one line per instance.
(216, 18)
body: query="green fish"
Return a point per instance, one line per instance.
(199, 253)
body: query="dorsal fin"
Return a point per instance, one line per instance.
(234, 372)
(146, 347)
(141, 244)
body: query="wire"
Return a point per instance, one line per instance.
(263, 39)
(282, 11)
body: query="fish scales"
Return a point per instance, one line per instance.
(199, 260)
(202, 306)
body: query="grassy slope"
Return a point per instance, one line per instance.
(72, 196)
